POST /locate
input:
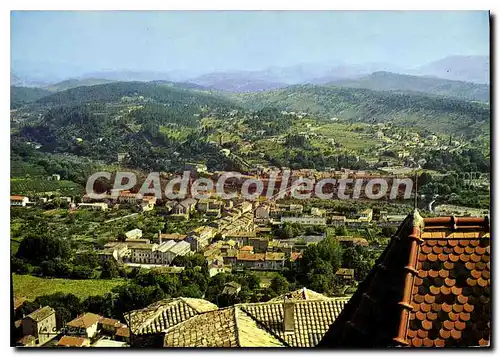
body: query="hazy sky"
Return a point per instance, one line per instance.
(207, 41)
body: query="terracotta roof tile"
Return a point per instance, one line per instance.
(71, 341)
(86, 320)
(443, 266)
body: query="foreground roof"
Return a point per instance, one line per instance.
(230, 327)
(165, 314)
(257, 325)
(430, 288)
(312, 318)
(185, 322)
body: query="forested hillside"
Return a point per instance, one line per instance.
(387, 81)
(435, 113)
(74, 83)
(130, 91)
(161, 125)
(20, 96)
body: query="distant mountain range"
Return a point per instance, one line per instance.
(461, 68)
(473, 69)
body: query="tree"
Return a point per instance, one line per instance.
(19, 266)
(191, 290)
(82, 272)
(101, 305)
(279, 285)
(121, 237)
(357, 258)
(330, 251)
(38, 249)
(319, 283)
(110, 269)
(341, 231)
(252, 280)
(88, 258)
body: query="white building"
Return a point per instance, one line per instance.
(84, 325)
(19, 200)
(313, 221)
(163, 253)
(94, 206)
(135, 233)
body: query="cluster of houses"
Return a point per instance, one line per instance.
(137, 250)
(143, 202)
(87, 330)
(25, 201)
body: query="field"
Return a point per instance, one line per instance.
(23, 186)
(30, 287)
(344, 135)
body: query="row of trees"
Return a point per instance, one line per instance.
(51, 256)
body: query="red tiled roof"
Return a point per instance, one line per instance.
(17, 198)
(122, 332)
(86, 320)
(430, 288)
(251, 257)
(71, 341)
(109, 322)
(173, 236)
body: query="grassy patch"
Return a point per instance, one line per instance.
(23, 186)
(31, 287)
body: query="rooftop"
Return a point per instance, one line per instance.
(173, 236)
(250, 256)
(109, 343)
(228, 327)
(429, 288)
(166, 246)
(301, 294)
(179, 247)
(110, 322)
(122, 332)
(257, 325)
(165, 314)
(354, 240)
(71, 341)
(86, 320)
(42, 313)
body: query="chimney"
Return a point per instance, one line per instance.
(288, 316)
(159, 235)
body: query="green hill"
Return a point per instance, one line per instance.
(133, 92)
(74, 83)
(437, 114)
(20, 96)
(125, 117)
(387, 81)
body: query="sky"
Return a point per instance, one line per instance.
(205, 41)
